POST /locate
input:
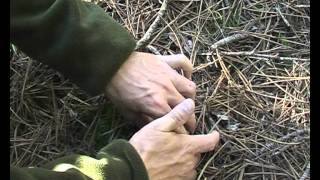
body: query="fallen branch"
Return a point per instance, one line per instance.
(251, 53)
(228, 40)
(143, 42)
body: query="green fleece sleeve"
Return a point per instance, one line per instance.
(76, 38)
(117, 161)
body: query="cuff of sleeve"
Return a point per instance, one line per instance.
(104, 46)
(126, 152)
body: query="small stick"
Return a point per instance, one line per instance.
(229, 39)
(251, 53)
(146, 37)
(302, 6)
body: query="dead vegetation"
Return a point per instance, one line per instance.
(251, 62)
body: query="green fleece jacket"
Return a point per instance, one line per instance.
(79, 40)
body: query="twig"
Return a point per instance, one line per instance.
(302, 6)
(146, 37)
(306, 172)
(251, 53)
(286, 137)
(276, 152)
(282, 16)
(229, 39)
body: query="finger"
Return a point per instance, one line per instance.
(191, 124)
(179, 61)
(174, 97)
(188, 128)
(177, 117)
(205, 143)
(181, 130)
(183, 85)
(158, 111)
(156, 107)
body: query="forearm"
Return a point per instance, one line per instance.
(117, 161)
(74, 37)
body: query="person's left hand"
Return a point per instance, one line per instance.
(167, 154)
(147, 87)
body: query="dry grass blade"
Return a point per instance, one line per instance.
(229, 39)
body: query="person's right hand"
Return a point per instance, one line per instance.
(170, 155)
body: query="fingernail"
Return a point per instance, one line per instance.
(216, 133)
(188, 104)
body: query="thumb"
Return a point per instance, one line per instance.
(205, 143)
(177, 117)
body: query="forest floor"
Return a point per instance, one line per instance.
(251, 66)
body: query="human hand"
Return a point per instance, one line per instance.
(169, 155)
(147, 87)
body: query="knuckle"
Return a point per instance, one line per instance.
(167, 86)
(187, 62)
(156, 101)
(158, 105)
(184, 57)
(179, 115)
